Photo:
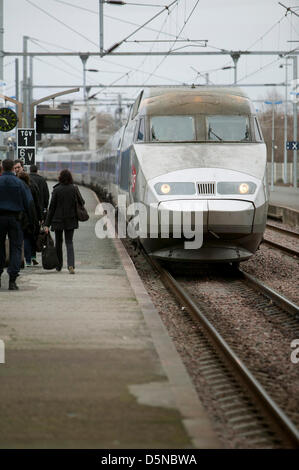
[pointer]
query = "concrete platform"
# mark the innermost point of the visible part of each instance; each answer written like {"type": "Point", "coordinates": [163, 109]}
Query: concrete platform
{"type": "Point", "coordinates": [284, 204]}
{"type": "Point", "coordinates": [283, 196]}
{"type": "Point", "coordinates": [88, 362]}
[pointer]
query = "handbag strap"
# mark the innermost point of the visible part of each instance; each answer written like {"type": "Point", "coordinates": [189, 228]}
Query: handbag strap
{"type": "Point", "coordinates": [78, 196]}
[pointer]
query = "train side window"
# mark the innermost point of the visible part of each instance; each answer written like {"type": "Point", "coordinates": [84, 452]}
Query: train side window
{"type": "Point", "coordinates": [257, 131]}
{"type": "Point", "coordinates": [141, 131]}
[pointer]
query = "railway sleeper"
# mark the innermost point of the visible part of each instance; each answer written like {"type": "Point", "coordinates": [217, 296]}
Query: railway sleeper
{"type": "Point", "coordinates": [245, 418]}
{"type": "Point", "coordinates": [237, 412]}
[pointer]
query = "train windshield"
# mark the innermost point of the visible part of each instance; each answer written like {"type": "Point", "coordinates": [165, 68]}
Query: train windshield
{"type": "Point", "coordinates": [228, 128]}
{"type": "Point", "coordinates": [172, 128]}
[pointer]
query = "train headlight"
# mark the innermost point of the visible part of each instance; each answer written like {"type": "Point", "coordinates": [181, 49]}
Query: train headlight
{"type": "Point", "coordinates": [244, 188]}
{"type": "Point", "coordinates": [165, 188]}
{"type": "Point", "coordinates": [175, 188]}
{"type": "Point", "coordinates": [227, 187]}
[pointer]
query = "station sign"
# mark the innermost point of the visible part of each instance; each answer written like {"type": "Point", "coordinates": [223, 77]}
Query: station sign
{"type": "Point", "coordinates": [53, 121]}
{"type": "Point", "coordinates": [26, 146]}
{"type": "Point", "coordinates": [292, 145]}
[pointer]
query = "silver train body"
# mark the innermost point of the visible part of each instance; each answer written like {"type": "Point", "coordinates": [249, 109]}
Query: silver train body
{"type": "Point", "coordinates": [185, 150]}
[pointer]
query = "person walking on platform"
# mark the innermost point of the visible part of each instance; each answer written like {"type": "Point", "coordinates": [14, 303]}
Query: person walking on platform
{"type": "Point", "coordinates": [31, 230]}
{"type": "Point", "coordinates": [43, 197]}
{"type": "Point", "coordinates": [62, 217]}
{"type": "Point", "coordinates": [13, 202]}
{"type": "Point", "coordinates": [43, 189]}
{"type": "Point", "coordinates": [18, 167]}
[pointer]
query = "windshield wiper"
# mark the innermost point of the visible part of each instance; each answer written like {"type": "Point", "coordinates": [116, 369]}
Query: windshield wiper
{"type": "Point", "coordinates": [212, 132]}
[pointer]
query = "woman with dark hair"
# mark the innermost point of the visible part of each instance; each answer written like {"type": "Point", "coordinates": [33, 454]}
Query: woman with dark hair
{"type": "Point", "coordinates": [62, 217]}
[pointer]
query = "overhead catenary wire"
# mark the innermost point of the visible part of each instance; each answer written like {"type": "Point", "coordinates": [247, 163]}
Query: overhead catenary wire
{"type": "Point", "coordinates": [292, 26]}
{"type": "Point", "coordinates": [113, 17]}
{"type": "Point", "coordinates": [259, 69]}
{"type": "Point", "coordinates": [55, 66]}
{"type": "Point", "coordinates": [146, 57]}
{"type": "Point", "coordinates": [62, 23]}
{"type": "Point", "coordinates": [148, 21]}
{"type": "Point", "coordinates": [277, 23]}
{"type": "Point", "coordinates": [266, 33]}
{"type": "Point", "coordinates": [145, 5]}
{"type": "Point", "coordinates": [112, 83]}
{"type": "Point", "coordinates": [51, 44]}
{"type": "Point", "coordinates": [167, 54]}
{"type": "Point", "coordinates": [150, 74]}
{"type": "Point", "coordinates": [86, 38]}
{"type": "Point", "coordinates": [288, 9]}
{"type": "Point", "coordinates": [79, 74]}
{"type": "Point", "coordinates": [37, 41]}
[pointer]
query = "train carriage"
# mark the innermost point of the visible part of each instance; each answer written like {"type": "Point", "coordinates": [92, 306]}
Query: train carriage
{"type": "Point", "coordinates": [197, 150]}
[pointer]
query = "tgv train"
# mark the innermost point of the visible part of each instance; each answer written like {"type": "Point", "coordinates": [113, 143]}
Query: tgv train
{"type": "Point", "coordinates": [198, 151]}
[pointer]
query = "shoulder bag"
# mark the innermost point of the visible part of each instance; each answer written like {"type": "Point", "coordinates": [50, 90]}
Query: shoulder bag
{"type": "Point", "coordinates": [82, 213]}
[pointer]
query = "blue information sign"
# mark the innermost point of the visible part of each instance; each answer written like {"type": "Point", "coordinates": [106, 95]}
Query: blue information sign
{"type": "Point", "coordinates": [292, 145]}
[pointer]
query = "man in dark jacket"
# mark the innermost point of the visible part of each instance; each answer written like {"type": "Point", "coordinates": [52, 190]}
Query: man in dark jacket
{"type": "Point", "coordinates": [13, 201]}
{"type": "Point", "coordinates": [42, 186]}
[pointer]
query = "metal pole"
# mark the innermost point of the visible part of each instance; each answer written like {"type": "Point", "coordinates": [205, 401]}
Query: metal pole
{"type": "Point", "coordinates": [272, 153]}
{"type": "Point", "coordinates": [154, 53]}
{"type": "Point", "coordinates": [87, 116]}
{"type": "Point", "coordinates": [285, 153]}
{"type": "Point", "coordinates": [84, 58]}
{"type": "Point", "coordinates": [101, 26]}
{"type": "Point", "coordinates": [30, 89]}
{"type": "Point", "coordinates": [235, 56]}
{"type": "Point", "coordinates": [17, 79]}
{"type": "Point", "coordinates": [25, 81]}
{"type": "Point", "coordinates": [295, 123]}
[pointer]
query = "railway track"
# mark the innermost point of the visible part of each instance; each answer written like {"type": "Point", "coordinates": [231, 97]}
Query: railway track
{"type": "Point", "coordinates": [281, 301]}
{"type": "Point", "coordinates": [246, 403]}
{"type": "Point", "coordinates": [282, 231]}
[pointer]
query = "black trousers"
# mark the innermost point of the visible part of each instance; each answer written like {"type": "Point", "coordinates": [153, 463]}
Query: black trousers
{"type": "Point", "coordinates": [10, 226]}
{"type": "Point", "coordinates": [68, 236]}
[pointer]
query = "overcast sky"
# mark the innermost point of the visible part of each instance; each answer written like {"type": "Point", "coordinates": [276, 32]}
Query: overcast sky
{"type": "Point", "coordinates": [73, 25]}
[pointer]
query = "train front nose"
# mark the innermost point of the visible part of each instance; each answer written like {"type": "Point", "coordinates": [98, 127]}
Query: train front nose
{"type": "Point", "coordinates": [219, 216]}
{"type": "Point", "coordinates": [228, 207]}
{"type": "Point", "coordinates": [230, 216]}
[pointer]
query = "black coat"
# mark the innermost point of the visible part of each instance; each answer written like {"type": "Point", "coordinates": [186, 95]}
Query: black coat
{"type": "Point", "coordinates": [35, 194]}
{"type": "Point", "coordinates": [62, 213]}
{"type": "Point", "coordinates": [43, 190]}
{"type": "Point", "coordinates": [30, 219]}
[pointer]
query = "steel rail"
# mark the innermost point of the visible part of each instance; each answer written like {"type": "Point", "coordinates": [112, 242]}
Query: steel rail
{"type": "Point", "coordinates": [288, 250]}
{"type": "Point", "coordinates": [278, 418]}
{"type": "Point", "coordinates": [272, 294]}
{"type": "Point", "coordinates": [282, 230]}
